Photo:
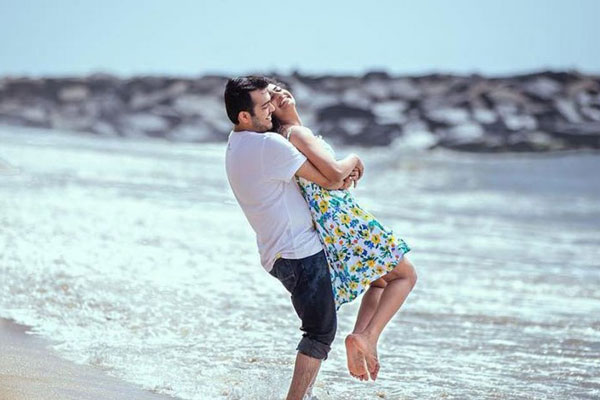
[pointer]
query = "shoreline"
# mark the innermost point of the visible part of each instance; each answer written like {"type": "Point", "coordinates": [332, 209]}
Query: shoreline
{"type": "Point", "coordinates": [31, 370]}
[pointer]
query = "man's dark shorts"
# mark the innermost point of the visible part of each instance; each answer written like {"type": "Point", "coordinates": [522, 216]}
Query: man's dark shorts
{"type": "Point", "coordinates": [309, 283]}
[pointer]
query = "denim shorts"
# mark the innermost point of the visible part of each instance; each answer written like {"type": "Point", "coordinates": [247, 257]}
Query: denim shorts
{"type": "Point", "coordinates": [309, 283]}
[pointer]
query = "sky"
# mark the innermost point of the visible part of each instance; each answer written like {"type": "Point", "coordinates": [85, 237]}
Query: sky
{"type": "Point", "coordinates": [231, 37]}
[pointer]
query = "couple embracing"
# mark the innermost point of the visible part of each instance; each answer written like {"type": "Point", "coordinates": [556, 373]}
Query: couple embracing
{"type": "Point", "coordinates": [311, 234]}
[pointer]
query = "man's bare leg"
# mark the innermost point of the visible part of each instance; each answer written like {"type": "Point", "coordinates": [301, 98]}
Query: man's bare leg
{"type": "Point", "coordinates": [356, 360]}
{"type": "Point", "coordinates": [312, 384]}
{"type": "Point", "coordinates": [400, 282]}
{"type": "Point", "coordinates": [305, 372]}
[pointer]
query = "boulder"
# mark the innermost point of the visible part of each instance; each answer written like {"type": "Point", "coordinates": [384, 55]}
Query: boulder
{"type": "Point", "coordinates": [534, 112]}
{"type": "Point", "coordinates": [343, 111]}
{"type": "Point", "coordinates": [73, 93]}
{"type": "Point", "coordinates": [449, 116]}
{"type": "Point", "coordinates": [484, 115]}
{"type": "Point", "coordinates": [390, 112]}
{"type": "Point", "coordinates": [543, 88]}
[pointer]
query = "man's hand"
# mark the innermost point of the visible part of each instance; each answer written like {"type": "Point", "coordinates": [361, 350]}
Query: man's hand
{"type": "Point", "coordinates": [347, 183]}
{"type": "Point", "coordinates": [309, 172]}
{"type": "Point", "coordinates": [351, 179]}
{"type": "Point", "coordinates": [360, 168]}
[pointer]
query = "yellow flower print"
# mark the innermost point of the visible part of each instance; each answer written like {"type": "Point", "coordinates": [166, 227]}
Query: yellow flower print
{"type": "Point", "coordinates": [323, 206]}
{"type": "Point", "coordinates": [371, 263]}
{"type": "Point", "coordinates": [376, 239]}
{"type": "Point", "coordinates": [356, 211]}
{"type": "Point", "coordinates": [365, 282]}
{"type": "Point", "coordinates": [338, 231]}
{"type": "Point", "coordinates": [379, 270]}
{"type": "Point", "coordinates": [358, 251]}
{"type": "Point", "coordinates": [328, 239]}
{"type": "Point", "coordinates": [353, 267]}
{"type": "Point", "coordinates": [353, 285]}
{"type": "Point", "coordinates": [365, 234]}
{"type": "Point", "coordinates": [345, 219]}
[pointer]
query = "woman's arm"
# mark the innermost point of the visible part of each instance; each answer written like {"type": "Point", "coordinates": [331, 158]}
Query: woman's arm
{"type": "Point", "coordinates": [304, 140]}
{"type": "Point", "coordinates": [309, 172]}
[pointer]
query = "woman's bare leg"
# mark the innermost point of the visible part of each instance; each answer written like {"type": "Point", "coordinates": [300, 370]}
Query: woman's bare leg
{"type": "Point", "coordinates": [368, 305]}
{"type": "Point", "coordinates": [356, 360]}
{"type": "Point", "coordinates": [400, 282]}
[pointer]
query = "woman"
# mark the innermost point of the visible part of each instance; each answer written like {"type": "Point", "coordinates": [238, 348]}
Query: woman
{"type": "Point", "coordinates": [360, 251]}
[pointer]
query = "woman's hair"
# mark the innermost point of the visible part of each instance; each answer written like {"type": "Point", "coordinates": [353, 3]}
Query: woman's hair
{"type": "Point", "coordinates": [276, 122]}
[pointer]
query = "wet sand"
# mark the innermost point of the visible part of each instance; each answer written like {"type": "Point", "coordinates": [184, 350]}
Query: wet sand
{"type": "Point", "coordinates": [30, 370]}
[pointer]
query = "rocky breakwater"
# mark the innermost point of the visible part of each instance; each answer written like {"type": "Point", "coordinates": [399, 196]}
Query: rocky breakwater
{"type": "Point", "coordinates": [535, 112]}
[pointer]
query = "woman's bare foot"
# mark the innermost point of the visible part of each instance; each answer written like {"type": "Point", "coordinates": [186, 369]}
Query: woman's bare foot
{"type": "Point", "coordinates": [359, 350]}
{"type": "Point", "coordinates": [357, 364]}
{"type": "Point", "coordinates": [364, 377]}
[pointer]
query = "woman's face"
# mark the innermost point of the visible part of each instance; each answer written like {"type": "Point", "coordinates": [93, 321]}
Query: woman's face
{"type": "Point", "coordinates": [281, 99]}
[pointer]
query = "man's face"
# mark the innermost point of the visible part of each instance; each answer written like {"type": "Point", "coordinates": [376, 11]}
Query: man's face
{"type": "Point", "coordinates": [261, 120]}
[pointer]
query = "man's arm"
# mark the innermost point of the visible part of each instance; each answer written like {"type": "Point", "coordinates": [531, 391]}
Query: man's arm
{"type": "Point", "coordinates": [309, 172]}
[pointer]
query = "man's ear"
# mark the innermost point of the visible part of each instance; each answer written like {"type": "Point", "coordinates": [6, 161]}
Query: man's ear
{"type": "Point", "coordinates": [244, 116]}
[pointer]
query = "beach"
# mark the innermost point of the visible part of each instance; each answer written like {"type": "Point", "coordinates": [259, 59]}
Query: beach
{"type": "Point", "coordinates": [30, 370]}
{"type": "Point", "coordinates": [131, 258]}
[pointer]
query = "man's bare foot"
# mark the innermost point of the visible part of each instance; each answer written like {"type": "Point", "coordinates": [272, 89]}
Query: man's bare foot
{"type": "Point", "coordinates": [360, 350]}
{"type": "Point", "coordinates": [357, 364]}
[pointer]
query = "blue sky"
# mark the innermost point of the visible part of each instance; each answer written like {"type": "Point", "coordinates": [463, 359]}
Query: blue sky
{"type": "Point", "coordinates": [188, 38]}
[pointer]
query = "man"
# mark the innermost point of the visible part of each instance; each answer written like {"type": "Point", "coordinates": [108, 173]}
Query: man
{"type": "Point", "coordinates": [261, 167]}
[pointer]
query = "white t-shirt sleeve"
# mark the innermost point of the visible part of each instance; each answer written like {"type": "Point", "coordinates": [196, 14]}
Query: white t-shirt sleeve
{"type": "Point", "coordinates": [280, 159]}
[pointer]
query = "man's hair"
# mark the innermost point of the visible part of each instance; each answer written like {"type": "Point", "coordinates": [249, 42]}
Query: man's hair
{"type": "Point", "coordinates": [237, 95]}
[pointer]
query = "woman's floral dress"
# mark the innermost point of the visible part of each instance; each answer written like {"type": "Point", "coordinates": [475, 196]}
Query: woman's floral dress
{"type": "Point", "coordinates": [359, 249]}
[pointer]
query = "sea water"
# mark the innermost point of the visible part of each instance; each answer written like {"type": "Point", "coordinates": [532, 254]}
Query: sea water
{"type": "Point", "coordinates": [133, 256]}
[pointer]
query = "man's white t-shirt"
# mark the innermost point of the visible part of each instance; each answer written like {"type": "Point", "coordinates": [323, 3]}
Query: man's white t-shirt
{"type": "Point", "coordinates": [261, 168]}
